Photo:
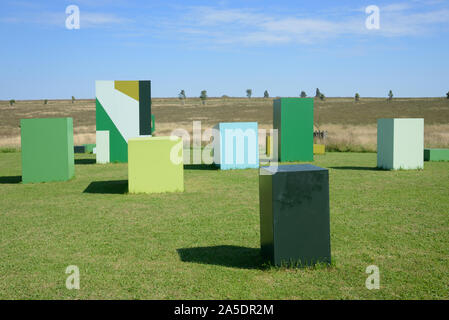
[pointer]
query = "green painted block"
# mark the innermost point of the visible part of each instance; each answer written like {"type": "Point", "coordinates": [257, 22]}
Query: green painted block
{"type": "Point", "coordinates": [294, 215]}
{"type": "Point", "coordinates": [155, 164]}
{"type": "Point", "coordinates": [436, 154]}
{"type": "Point", "coordinates": [89, 148]}
{"type": "Point", "coordinates": [153, 124]}
{"type": "Point", "coordinates": [293, 118]}
{"type": "Point", "coordinates": [400, 144]}
{"type": "Point", "coordinates": [47, 149]}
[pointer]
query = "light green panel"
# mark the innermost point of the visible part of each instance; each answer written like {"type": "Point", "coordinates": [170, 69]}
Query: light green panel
{"type": "Point", "coordinates": [408, 144]}
{"type": "Point", "coordinates": [400, 143]}
{"type": "Point", "coordinates": [102, 146]}
{"type": "Point", "coordinates": [155, 165]}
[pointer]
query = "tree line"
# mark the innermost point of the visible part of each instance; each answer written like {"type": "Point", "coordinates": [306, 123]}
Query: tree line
{"type": "Point", "coordinates": [249, 92]}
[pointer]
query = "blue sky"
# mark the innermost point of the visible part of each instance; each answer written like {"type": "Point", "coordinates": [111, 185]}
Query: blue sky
{"type": "Point", "coordinates": [225, 47]}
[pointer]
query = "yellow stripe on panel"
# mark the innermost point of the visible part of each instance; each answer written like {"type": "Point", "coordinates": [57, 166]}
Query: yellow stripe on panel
{"type": "Point", "coordinates": [130, 88]}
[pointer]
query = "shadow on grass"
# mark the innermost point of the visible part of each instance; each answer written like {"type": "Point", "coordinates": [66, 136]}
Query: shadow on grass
{"type": "Point", "coordinates": [85, 161]}
{"type": "Point", "coordinates": [200, 167]}
{"type": "Point", "coordinates": [357, 168]}
{"type": "Point", "coordinates": [10, 179]}
{"type": "Point", "coordinates": [108, 187]}
{"type": "Point", "coordinates": [228, 256]}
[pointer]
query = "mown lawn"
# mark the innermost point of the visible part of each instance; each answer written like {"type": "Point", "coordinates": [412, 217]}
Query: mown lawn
{"type": "Point", "coordinates": [204, 243]}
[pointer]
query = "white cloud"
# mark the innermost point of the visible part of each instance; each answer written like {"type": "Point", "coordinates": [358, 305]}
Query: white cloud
{"type": "Point", "coordinates": [87, 19]}
{"type": "Point", "coordinates": [90, 19]}
{"type": "Point", "coordinates": [394, 7]}
{"type": "Point", "coordinates": [249, 27]}
{"type": "Point", "coordinates": [264, 26]}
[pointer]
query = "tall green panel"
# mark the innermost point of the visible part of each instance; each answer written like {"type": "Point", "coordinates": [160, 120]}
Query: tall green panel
{"type": "Point", "coordinates": [47, 149]}
{"type": "Point", "coordinates": [294, 215]}
{"type": "Point", "coordinates": [118, 148]}
{"type": "Point", "coordinates": [124, 112]}
{"type": "Point", "coordinates": [293, 118]}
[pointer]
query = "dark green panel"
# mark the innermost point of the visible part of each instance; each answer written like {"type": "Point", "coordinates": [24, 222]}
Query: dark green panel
{"type": "Point", "coordinates": [295, 127]}
{"type": "Point", "coordinates": [79, 149]}
{"type": "Point", "coordinates": [300, 215]}
{"type": "Point", "coordinates": [145, 107]}
{"type": "Point", "coordinates": [47, 149]}
{"type": "Point", "coordinates": [118, 147]}
{"type": "Point", "coordinates": [277, 122]}
{"type": "Point", "coordinates": [266, 214]}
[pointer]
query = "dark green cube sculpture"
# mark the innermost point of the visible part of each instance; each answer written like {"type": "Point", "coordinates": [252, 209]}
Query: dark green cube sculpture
{"type": "Point", "coordinates": [294, 215]}
{"type": "Point", "coordinates": [293, 118]}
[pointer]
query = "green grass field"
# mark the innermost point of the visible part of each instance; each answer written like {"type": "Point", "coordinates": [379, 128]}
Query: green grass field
{"type": "Point", "coordinates": [204, 243]}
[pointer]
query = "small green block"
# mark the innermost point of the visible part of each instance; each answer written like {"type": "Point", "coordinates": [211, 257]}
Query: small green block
{"type": "Point", "coordinates": [153, 124]}
{"type": "Point", "coordinates": [436, 154]}
{"type": "Point", "coordinates": [89, 148]}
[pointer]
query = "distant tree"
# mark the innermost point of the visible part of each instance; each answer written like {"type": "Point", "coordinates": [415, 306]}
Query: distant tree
{"type": "Point", "coordinates": [249, 93]}
{"type": "Point", "coordinates": [390, 95]}
{"type": "Point", "coordinates": [265, 94]}
{"type": "Point", "coordinates": [357, 97]}
{"type": "Point", "coordinates": [447, 94]}
{"type": "Point", "coordinates": [45, 101]}
{"type": "Point", "coordinates": [182, 96]}
{"type": "Point", "coordinates": [73, 99]}
{"type": "Point", "coordinates": [303, 94]}
{"type": "Point", "coordinates": [11, 102]}
{"type": "Point", "coordinates": [203, 96]}
{"type": "Point", "coordinates": [322, 96]}
{"type": "Point", "coordinates": [224, 97]}
{"type": "Point", "coordinates": [318, 93]}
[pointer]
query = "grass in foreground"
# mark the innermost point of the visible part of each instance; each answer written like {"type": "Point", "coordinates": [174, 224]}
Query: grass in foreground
{"type": "Point", "coordinates": [204, 243]}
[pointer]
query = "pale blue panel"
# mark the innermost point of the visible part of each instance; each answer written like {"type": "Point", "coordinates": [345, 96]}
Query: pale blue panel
{"type": "Point", "coordinates": [238, 146]}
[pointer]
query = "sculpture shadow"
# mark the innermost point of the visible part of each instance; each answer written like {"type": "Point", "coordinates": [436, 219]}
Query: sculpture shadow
{"type": "Point", "coordinates": [357, 168]}
{"type": "Point", "coordinates": [200, 167]}
{"type": "Point", "coordinates": [10, 179]}
{"type": "Point", "coordinates": [85, 161]}
{"type": "Point", "coordinates": [108, 187]}
{"type": "Point", "coordinates": [225, 255]}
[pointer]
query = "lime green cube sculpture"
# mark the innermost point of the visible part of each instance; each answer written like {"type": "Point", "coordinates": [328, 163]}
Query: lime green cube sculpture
{"type": "Point", "coordinates": [155, 165]}
{"type": "Point", "coordinates": [47, 150]}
